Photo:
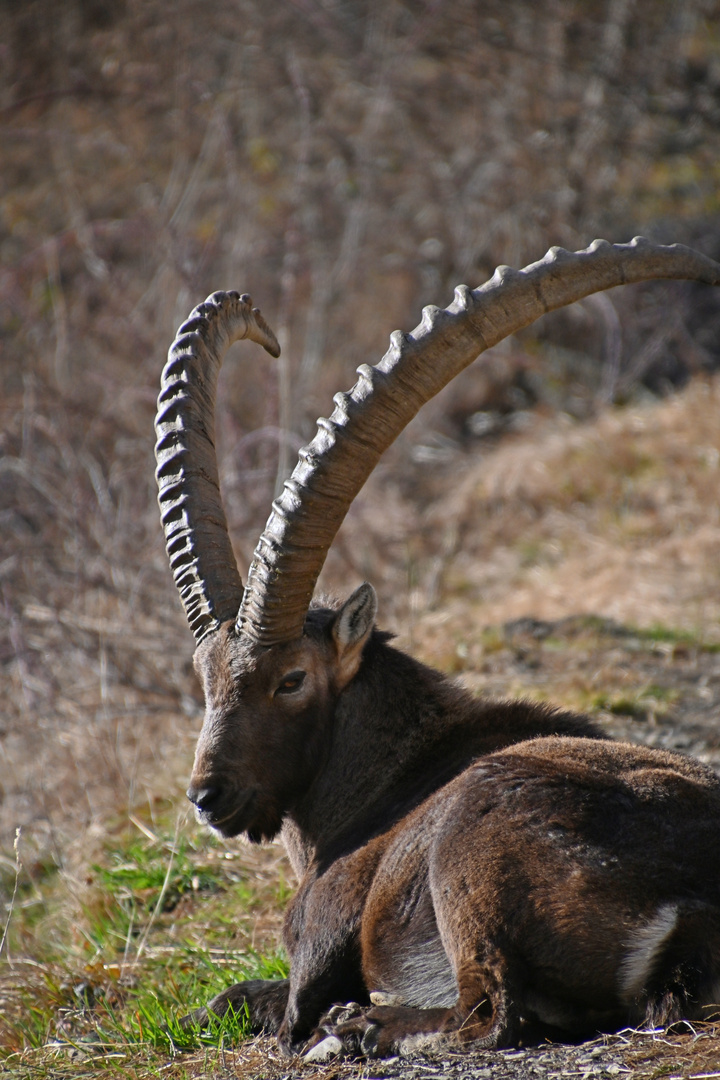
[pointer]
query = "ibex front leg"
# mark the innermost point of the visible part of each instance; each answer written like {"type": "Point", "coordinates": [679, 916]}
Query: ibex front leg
{"type": "Point", "coordinates": [265, 1001]}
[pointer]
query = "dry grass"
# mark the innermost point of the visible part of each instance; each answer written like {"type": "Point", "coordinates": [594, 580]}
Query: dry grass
{"type": "Point", "coordinates": [618, 517]}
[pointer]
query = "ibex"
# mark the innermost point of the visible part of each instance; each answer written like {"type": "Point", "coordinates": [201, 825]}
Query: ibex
{"type": "Point", "coordinates": [469, 870]}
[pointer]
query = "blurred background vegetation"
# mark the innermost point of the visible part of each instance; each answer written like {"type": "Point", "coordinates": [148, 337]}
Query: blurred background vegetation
{"type": "Point", "coordinates": [346, 162]}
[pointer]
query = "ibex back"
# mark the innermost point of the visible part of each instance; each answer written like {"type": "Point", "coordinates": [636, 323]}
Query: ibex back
{"type": "Point", "coordinates": [469, 870]}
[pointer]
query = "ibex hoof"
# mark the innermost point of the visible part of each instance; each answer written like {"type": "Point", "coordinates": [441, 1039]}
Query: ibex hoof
{"type": "Point", "coordinates": [347, 1031]}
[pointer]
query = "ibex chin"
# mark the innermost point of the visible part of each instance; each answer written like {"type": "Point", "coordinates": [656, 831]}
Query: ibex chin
{"type": "Point", "coordinates": [469, 870]}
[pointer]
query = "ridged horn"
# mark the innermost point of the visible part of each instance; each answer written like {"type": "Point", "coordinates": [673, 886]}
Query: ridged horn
{"type": "Point", "coordinates": [196, 532]}
{"type": "Point", "coordinates": [335, 465]}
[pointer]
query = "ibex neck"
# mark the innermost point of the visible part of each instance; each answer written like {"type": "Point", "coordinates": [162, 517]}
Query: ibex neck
{"type": "Point", "coordinates": [383, 759]}
{"type": "Point", "coordinates": [401, 731]}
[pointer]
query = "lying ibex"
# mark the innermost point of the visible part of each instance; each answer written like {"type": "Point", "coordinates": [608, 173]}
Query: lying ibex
{"type": "Point", "coordinates": [467, 868]}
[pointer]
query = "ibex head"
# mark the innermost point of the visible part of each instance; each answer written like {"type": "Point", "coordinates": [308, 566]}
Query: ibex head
{"type": "Point", "coordinates": [269, 712]}
{"type": "Point", "coordinates": [272, 668]}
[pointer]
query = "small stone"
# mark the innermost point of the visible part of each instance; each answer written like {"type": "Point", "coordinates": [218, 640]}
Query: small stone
{"type": "Point", "coordinates": [329, 1048]}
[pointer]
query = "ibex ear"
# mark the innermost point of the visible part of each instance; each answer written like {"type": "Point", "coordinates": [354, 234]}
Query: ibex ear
{"type": "Point", "coordinates": [352, 627]}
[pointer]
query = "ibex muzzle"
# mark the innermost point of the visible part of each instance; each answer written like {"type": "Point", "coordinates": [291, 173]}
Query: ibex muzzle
{"type": "Point", "coordinates": [468, 868]}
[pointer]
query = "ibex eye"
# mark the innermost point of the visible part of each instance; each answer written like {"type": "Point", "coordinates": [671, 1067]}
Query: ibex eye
{"type": "Point", "coordinates": [291, 682]}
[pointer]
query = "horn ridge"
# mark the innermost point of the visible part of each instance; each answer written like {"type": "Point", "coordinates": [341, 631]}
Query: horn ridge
{"type": "Point", "coordinates": [196, 533]}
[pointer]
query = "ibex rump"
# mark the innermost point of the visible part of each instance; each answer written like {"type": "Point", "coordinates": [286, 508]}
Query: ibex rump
{"type": "Point", "coordinates": [467, 868]}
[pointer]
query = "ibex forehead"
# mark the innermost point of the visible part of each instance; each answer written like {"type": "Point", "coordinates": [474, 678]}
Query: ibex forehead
{"type": "Point", "coordinates": [217, 659]}
{"type": "Point", "coordinates": [227, 662]}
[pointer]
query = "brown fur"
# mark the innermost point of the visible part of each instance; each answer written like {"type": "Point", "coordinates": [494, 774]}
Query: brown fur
{"type": "Point", "coordinates": [478, 867]}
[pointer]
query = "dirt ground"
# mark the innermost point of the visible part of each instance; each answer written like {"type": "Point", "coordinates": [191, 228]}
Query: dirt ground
{"type": "Point", "coordinates": [690, 1055]}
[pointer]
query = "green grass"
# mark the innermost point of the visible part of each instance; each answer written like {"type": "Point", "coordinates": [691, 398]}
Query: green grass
{"type": "Point", "coordinates": [668, 635]}
{"type": "Point", "coordinates": [99, 976]}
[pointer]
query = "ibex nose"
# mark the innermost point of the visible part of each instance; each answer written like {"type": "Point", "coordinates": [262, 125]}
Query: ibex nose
{"type": "Point", "coordinates": [203, 797]}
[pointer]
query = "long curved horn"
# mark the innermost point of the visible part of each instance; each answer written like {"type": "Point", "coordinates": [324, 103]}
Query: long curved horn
{"type": "Point", "coordinates": [196, 532]}
{"type": "Point", "coordinates": [346, 448]}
